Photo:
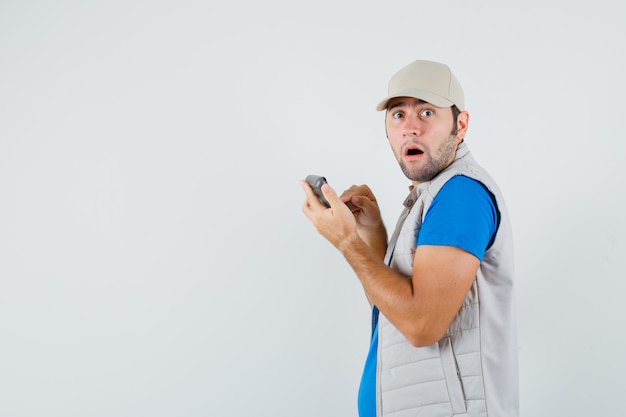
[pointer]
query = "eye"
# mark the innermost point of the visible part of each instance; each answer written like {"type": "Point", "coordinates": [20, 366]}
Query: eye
{"type": "Point", "coordinates": [396, 115]}
{"type": "Point", "coordinates": [427, 113]}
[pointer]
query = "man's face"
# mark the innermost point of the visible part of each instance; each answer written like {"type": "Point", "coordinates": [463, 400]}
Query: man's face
{"type": "Point", "coordinates": [421, 136]}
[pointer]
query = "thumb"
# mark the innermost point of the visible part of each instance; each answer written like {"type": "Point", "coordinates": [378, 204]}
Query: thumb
{"type": "Point", "coordinates": [330, 195]}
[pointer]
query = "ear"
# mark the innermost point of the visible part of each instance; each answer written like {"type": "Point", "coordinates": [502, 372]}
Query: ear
{"type": "Point", "coordinates": [462, 123]}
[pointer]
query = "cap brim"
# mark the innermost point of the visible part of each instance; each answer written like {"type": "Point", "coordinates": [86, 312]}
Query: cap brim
{"type": "Point", "coordinates": [419, 94]}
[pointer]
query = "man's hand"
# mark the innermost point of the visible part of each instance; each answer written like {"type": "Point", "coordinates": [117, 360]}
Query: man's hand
{"type": "Point", "coordinates": [337, 224]}
{"type": "Point", "coordinates": [364, 207]}
{"type": "Point", "coordinates": [334, 223]}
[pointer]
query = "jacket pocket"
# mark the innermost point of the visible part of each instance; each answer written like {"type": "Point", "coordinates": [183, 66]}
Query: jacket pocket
{"type": "Point", "coordinates": [453, 379]}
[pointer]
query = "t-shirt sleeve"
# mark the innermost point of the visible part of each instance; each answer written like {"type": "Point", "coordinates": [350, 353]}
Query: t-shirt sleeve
{"type": "Point", "coordinates": [463, 214]}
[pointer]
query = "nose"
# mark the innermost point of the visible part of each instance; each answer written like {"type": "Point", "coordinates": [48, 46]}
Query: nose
{"type": "Point", "coordinates": [412, 126]}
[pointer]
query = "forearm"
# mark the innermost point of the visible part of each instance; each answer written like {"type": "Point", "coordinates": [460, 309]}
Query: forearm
{"type": "Point", "coordinates": [389, 290]}
{"type": "Point", "coordinates": [376, 239]}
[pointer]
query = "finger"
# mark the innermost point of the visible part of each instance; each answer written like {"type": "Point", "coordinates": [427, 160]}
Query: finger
{"type": "Point", "coordinates": [310, 195]}
{"type": "Point", "coordinates": [367, 206]}
{"type": "Point", "coordinates": [308, 211]}
{"type": "Point", "coordinates": [311, 199]}
{"type": "Point", "coordinates": [357, 190]}
{"type": "Point", "coordinates": [350, 192]}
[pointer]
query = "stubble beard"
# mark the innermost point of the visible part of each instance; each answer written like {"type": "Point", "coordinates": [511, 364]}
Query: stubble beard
{"type": "Point", "coordinates": [433, 164]}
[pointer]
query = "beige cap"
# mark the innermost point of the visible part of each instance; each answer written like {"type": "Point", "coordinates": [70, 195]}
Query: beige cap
{"type": "Point", "coordinates": [426, 80]}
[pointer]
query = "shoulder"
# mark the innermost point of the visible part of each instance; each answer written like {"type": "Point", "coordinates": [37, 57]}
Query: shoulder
{"type": "Point", "coordinates": [461, 184]}
{"type": "Point", "coordinates": [463, 214]}
{"type": "Point", "coordinates": [463, 192]}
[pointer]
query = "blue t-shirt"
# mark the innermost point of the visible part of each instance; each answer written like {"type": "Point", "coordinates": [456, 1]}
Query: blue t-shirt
{"type": "Point", "coordinates": [463, 214]}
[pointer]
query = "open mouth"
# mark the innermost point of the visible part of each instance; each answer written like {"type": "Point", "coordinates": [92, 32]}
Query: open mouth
{"type": "Point", "coordinates": [413, 150]}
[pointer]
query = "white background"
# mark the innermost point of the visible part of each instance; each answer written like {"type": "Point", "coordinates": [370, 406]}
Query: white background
{"type": "Point", "coordinates": [154, 260]}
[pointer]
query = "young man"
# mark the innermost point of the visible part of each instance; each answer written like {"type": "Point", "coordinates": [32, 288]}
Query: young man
{"type": "Point", "coordinates": [441, 289]}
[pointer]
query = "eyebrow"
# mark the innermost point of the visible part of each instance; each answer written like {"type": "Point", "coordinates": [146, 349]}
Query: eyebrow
{"type": "Point", "coordinates": [402, 103]}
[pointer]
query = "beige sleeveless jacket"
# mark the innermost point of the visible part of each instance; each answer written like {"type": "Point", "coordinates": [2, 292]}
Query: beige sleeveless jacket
{"type": "Point", "coordinates": [472, 370]}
